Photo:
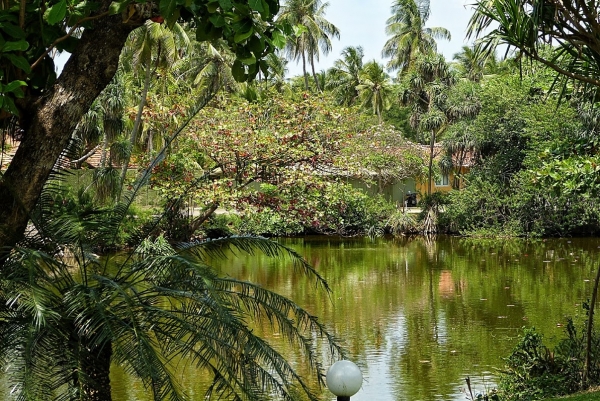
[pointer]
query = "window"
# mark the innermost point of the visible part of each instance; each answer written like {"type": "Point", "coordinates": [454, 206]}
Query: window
{"type": "Point", "coordinates": [442, 181]}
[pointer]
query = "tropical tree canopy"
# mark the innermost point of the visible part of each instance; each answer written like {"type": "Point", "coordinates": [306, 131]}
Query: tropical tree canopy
{"type": "Point", "coordinates": [375, 89]}
{"type": "Point", "coordinates": [44, 109]}
{"type": "Point", "coordinates": [344, 76]}
{"type": "Point", "coordinates": [571, 27]}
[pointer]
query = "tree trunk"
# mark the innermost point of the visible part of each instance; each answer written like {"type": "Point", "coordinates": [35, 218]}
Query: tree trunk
{"type": "Point", "coordinates": [312, 65]}
{"type": "Point", "coordinates": [304, 71]}
{"type": "Point", "coordinates": [431, 148]}
{"type": "Point", "coordinates": [94, 384]}
{"type": "Point", "coordinates": [137, 123]}
{"type": "Point", "coordinates": [48, 121]}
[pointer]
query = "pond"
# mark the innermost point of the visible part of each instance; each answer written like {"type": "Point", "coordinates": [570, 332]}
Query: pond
{"type": "Point", "coordinates": [420, 315]}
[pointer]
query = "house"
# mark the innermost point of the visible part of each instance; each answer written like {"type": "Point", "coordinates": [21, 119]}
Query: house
{"type": "Point", "coordinates": [406, 192]}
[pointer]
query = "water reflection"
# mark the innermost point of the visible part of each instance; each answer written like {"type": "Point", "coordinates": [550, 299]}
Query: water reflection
{"type": "Point", "coordinates": [419, 315]}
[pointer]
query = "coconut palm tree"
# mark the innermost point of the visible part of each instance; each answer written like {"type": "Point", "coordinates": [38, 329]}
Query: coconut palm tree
{"type": "Point", "coordinates": [375, 89]}
{"type": "Point", "coordinates": [313, 33]}
{"type": "Point", "coordinates": [344, 76]}
{"type": "Point", "coordinates": [277, 71]}
{"type": "Point", "coordinates": [470, 63]}
{"type": "Point", "coordinates": [208, 67]}
{"type": "Point", "coordinates": [409, 36]}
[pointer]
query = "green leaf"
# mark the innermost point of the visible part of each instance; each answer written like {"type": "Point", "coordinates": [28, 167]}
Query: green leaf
{"type": "Point", "coordinates": [117, 7]}
{"type": "Point", "coordinates": [226, 5]}
{"type": "Point", "coordinates": [13, 30]}
{"type": "Point", "coordinates": [56, 13]}
{"type": "Point", "coordinates": [256, 5]}
{"type": "Point", "coordinates": [212, 7]}
{"type": "Point", "coordinates": [264, 68]}
{"type": "Point", "coordinates": [218, 20]}
{"type": "Point", "coordinates": [299, 30]}
{"type": "Point", "coordinates": [273, 6]}
{"type": "Point", "coordinates": [238, 71]}
{"type": "Point", "coordinates": [19, 62]}
{"type": "Point", "coordinates": [21, 45]}
{"type": "Point", "coordinates": [279, 40]}
{"type": "Point", "coordinates": [167, 8]}
{"type": "Point", "coordinates": [15, 87]}
{"type": "Point", "coordinates": [241, 36]}
{"type": "Point", "coordinates": [267, 13]}
{"type": "Point", "coordinates": [249, 60]}
{"type": "Point", "coordinates": [8, 104]}
{"type": "Point", "coordinates": [256, 45]}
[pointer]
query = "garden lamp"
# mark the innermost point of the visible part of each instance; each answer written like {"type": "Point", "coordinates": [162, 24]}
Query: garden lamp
{"type": "Point", "coordinates": [344, 379]}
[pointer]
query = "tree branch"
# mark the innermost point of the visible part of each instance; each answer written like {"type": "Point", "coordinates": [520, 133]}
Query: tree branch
{"type": "Point", "coordinates": [67, 36]}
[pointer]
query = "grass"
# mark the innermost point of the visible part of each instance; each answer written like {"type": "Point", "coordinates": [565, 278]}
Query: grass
{"type": "Point", "coordinates": [587, 396]}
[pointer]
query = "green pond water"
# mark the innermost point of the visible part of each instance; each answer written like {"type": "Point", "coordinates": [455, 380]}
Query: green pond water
{"type": "Point", "coordinates": [419, 315]}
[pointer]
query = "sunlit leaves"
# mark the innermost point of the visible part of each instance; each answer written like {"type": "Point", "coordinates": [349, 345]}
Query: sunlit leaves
{"type": "Point", "coordinates": [56, 13]}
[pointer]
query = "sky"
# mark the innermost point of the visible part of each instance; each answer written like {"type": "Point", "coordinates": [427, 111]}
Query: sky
{"type": "Point", "coordinates": [362, 23]}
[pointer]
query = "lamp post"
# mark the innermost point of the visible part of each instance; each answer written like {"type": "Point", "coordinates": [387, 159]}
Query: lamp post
{"type": "Point", "coordinates": [344, 379]}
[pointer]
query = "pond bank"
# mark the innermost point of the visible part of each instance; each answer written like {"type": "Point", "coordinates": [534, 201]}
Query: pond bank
{"type": "Point", "coordinates": [586, 396]}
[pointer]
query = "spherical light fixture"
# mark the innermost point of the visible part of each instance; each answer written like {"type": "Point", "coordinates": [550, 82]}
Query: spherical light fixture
{"type": "Point", "coordinates": [344, 379]}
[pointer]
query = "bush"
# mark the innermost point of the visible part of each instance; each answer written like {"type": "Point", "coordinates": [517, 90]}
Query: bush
{"type": "Point", "coordinates": [533, 372]}
{"type": "Point", "coordinates": [322, 208]}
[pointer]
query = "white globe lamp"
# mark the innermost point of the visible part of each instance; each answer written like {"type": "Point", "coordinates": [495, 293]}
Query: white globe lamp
{"type": "Point", "coordinates": [344, 379]}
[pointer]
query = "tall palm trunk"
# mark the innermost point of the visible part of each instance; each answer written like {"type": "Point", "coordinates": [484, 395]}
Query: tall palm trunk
{"type": "Point", "coordinates": [104, 153]}
{"type": "Point", "coordinates": [137, 123]}
{"type": "Point", "coordinates": [304, 71]}
{"type": "Point", "coordinates": [430, 172]}
{"type": "Point", "coordinates": [312, 65]}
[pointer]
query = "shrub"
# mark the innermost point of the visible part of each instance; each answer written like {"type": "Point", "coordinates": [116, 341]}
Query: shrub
{"type": "Point", "coordinates": [534, 372]}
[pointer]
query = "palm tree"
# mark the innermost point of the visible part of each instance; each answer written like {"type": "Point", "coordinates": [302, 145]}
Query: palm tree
{"type": "Point", "coordinates": [150, 47]}
{"type": "Point", "coordinates": [313, 33]}
{"type": "Point", "coordinates": [344, 76]}
{"type": "Point", "coordinates": [208, 67]}
{"type": "Point", "coordinates": [470, 62]}
{"type": "Point", "coordinates": [375, 89]}
{"type": "Point", "coordinates": [425, 89]}
{"type": "Point", "coordinates": [67, 315]}
{"type": "Point", "coordinates": [277, 71]}
{"type": "Point", "coordinates": [409, 37]}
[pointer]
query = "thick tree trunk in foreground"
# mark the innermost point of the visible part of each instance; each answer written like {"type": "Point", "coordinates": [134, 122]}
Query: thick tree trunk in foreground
{"type": "Point", "coordinates": [48, 121]}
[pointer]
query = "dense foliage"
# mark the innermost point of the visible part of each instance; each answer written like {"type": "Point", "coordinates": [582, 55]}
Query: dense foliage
{"type": "Point", "coordinates": [533, 371]}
